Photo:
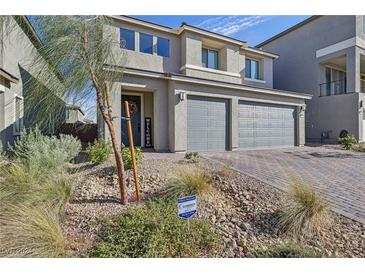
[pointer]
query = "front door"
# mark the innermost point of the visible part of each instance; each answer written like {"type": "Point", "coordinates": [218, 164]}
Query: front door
{"type": "Point", "coordinates": [135, 112]}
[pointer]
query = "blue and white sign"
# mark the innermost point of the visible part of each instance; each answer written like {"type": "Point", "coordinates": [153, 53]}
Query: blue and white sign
{"type": "Point", "coordinates": [187, 207]}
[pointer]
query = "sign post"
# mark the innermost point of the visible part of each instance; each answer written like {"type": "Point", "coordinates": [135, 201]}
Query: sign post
{"type": "Point", "coordinates": [187, 207]}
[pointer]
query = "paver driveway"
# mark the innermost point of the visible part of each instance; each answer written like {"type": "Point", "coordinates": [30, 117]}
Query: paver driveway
{"type": "Point", "coordinates": [338, 174]}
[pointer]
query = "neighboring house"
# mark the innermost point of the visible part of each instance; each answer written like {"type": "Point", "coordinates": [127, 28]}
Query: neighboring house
{"type": "Point", "coordinates": [19, 45]}
{"type": "Point", "coordinates": [190, 89]}
{"type": "Point", "coordinates": [325, 55]}
{"type": "Point", "coordinates": [74, 114]}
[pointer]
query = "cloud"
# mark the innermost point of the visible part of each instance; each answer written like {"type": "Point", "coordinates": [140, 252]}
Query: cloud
{"type": "Point", "coordinates": [228, 25]}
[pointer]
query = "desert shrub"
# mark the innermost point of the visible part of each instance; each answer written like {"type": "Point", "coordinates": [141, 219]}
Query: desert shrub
{"type": "Point", "coordinates": [360, 147]}
{"type": "Point", "coordinates": [127, 159]}
{"type": "Point", "coordinates": [285, 250]}
{"type": "Point", "coordinates": [348, 141]}
{"type": "Point", "coordinates": [20, 187]}
{"type": "Point", "coordinates": [156, 231]}
{"type": "Point", "coordinates": [44, 155]}
{"type": "Point", "coordinates": [192, 157]}
{"type": "Point", "coordinates": [99, 151]}
{"type": "Point", "coordinates": [188, 180]}
{"type": "Point", "coordinates": [305, 211]}
{"type": "Point", "coordinates": [30, 231]}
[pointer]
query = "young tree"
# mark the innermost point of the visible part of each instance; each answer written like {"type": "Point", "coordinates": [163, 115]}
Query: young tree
{"type": "Point", "coordinates": [79, 48]}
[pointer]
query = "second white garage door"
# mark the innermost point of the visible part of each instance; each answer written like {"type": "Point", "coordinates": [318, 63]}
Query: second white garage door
{"type": "Point", "coordinates": [266, 125]}
{"type": "Point", "coordinates": [207, 124]}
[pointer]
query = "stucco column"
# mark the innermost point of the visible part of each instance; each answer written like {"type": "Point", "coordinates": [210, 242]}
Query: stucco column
{"type": "Point", "coordinates": [177, 119]}
{"type": "Point", "coordinates": [233, 124]}
{"type": "Point", "coordinates": [353, 70]}
{"type": "Point", "coordinates": [300, 125]}
{"type": "Point", "coordinates": [161, 121]}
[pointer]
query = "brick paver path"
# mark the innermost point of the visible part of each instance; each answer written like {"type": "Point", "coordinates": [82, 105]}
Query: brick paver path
{"type": "Point", "coordinates": [338, 174]}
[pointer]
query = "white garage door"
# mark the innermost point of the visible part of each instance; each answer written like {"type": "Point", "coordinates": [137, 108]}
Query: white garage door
{"type": "Point", "coordinates": [206, 124]}
{"type": "Point", "coordinates": [266, 125]}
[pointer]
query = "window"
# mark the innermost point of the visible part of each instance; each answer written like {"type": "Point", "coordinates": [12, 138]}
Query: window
{"type": "Point", "coordinates": [18, 124]}
{"type": "Point", "coordinates": [145, 43]}
{"type": "Point", "coordinates": [127, 39]}
{"type": "Point", "coordinates": [210, 58]}
{"type": "Point", "coordinates": [163, 47]}
{"type": "Point", "coordinates": [252, 70]}
{"type": "Point", "coordinates": [335, 81]}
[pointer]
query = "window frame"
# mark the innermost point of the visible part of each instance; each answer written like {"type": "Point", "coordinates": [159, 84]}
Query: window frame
{"type": "Point", "coordinates": [145, 34]}
{"type": "Point", "coordinates": [168, 45]}
{"type": "Point", "coordinates": [15, 132]}
{"type": "Point", "coordinates": [134, 39]}
{"type": "Point", "coordinates": [207, 63]}
{"type": "Point", "coordinates": [251, 60]}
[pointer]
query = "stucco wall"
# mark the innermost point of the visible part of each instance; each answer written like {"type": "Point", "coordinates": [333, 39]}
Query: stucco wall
{"type": "Point", "coordinates": [178, 111]}
{"type": "Point", "coordinates": [18, 55]}
{"type": "Point", "coordinates": [140, 60]}
{"type": "Point", "coordinates": [155, 106]}
{"type": "Point", "coordinates": [186, 55]}
{"type": "Point", "coordinates": [298, 69]}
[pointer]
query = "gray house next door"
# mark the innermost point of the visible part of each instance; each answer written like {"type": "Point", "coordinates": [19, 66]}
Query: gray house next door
{"type": "Point", "coordinates": [206, 124]}
{"type": "Point", "coordinates": [266, 125]}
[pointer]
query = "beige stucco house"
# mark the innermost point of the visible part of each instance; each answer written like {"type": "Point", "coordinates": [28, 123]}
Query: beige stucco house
{"type": "Point", "coordinates": [194, 90]}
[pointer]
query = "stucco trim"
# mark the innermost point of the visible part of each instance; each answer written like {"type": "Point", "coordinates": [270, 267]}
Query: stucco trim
{"type": "Point", "coordinates": [188, 66]}
{"type": "Point", "coordinates": [336, 47]}
{"type": "Point", "coordinates": [231, 86]}
{"type": "Point", "coordinates": [195, 80]}
{"type": "Point", "coordinates": [261, 52]}
{"type": "Point", "coordinates": [8, 76]}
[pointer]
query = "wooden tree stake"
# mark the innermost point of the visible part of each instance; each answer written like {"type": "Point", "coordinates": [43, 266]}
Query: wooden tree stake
{"type": "Point", "coordinates": [131, 147]}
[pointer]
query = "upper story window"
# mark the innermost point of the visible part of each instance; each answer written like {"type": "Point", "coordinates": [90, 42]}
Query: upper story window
{"type": "Point", "coordinates": [145, 43]}
{"type": "Point", "coordinates": [127, 39]}
{"type": "Point", "coordinates": [363, 23]}
{"type": "Point", "coordinates": [163, 47]}
{"type": "Point", "coordinates": [210, 58]}
{"type": "Point", "coordinates": [252, 69]}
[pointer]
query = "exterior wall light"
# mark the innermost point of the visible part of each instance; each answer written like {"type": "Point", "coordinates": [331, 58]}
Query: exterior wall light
{"type": "Point", "coordinates": [182, 96]}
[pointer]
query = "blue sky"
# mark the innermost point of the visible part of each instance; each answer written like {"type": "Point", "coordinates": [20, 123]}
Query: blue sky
{"type": "Point", "coordinates": [251, 28]}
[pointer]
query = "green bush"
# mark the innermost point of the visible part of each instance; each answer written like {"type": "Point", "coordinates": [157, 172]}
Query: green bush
{"type": "Point", "coordinates": [43, 155]}
{"type": "Point", "coordinates": [348, 141]}
{"type": "Point", "coordinates": [188, 180]}
{"type": "Point", "coordinates": [192, 157]}
{"type": "Point", "coordinates": [99, 151]}
{"type": "Point", "coordinates": [305, 211]}
{"type": "Point", "coordinates": [285, 250]}
{"type": "Point", "coordinates": [156, 231]}
{"type": "Point", "coordinates": [127, 159]}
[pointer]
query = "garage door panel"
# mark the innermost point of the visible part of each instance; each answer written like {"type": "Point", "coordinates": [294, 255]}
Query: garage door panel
{"type": "Point", "coordinates": [265, 125]}
{"type": "Point", "coordinates": [206, 124]}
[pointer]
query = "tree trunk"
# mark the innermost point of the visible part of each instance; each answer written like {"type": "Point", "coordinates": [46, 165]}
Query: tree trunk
{"type": "Point", "coordinates": [119, 163]}
{"type": "Point", "coordinates": [116, 147]}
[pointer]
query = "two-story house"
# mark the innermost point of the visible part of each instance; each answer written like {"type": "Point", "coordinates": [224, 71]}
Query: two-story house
{"type": "Point", "coordinates": [190, 89]}
{"type": "Point", "coordinates": [325, 55]}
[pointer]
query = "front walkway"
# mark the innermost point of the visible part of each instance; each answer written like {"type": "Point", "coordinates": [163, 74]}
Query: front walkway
{"type": "Point", "coordinates": [338, 174]}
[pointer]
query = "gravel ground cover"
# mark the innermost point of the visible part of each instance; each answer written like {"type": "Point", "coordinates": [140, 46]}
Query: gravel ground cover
{"type": "Point", "coordinates": [241, 209]}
